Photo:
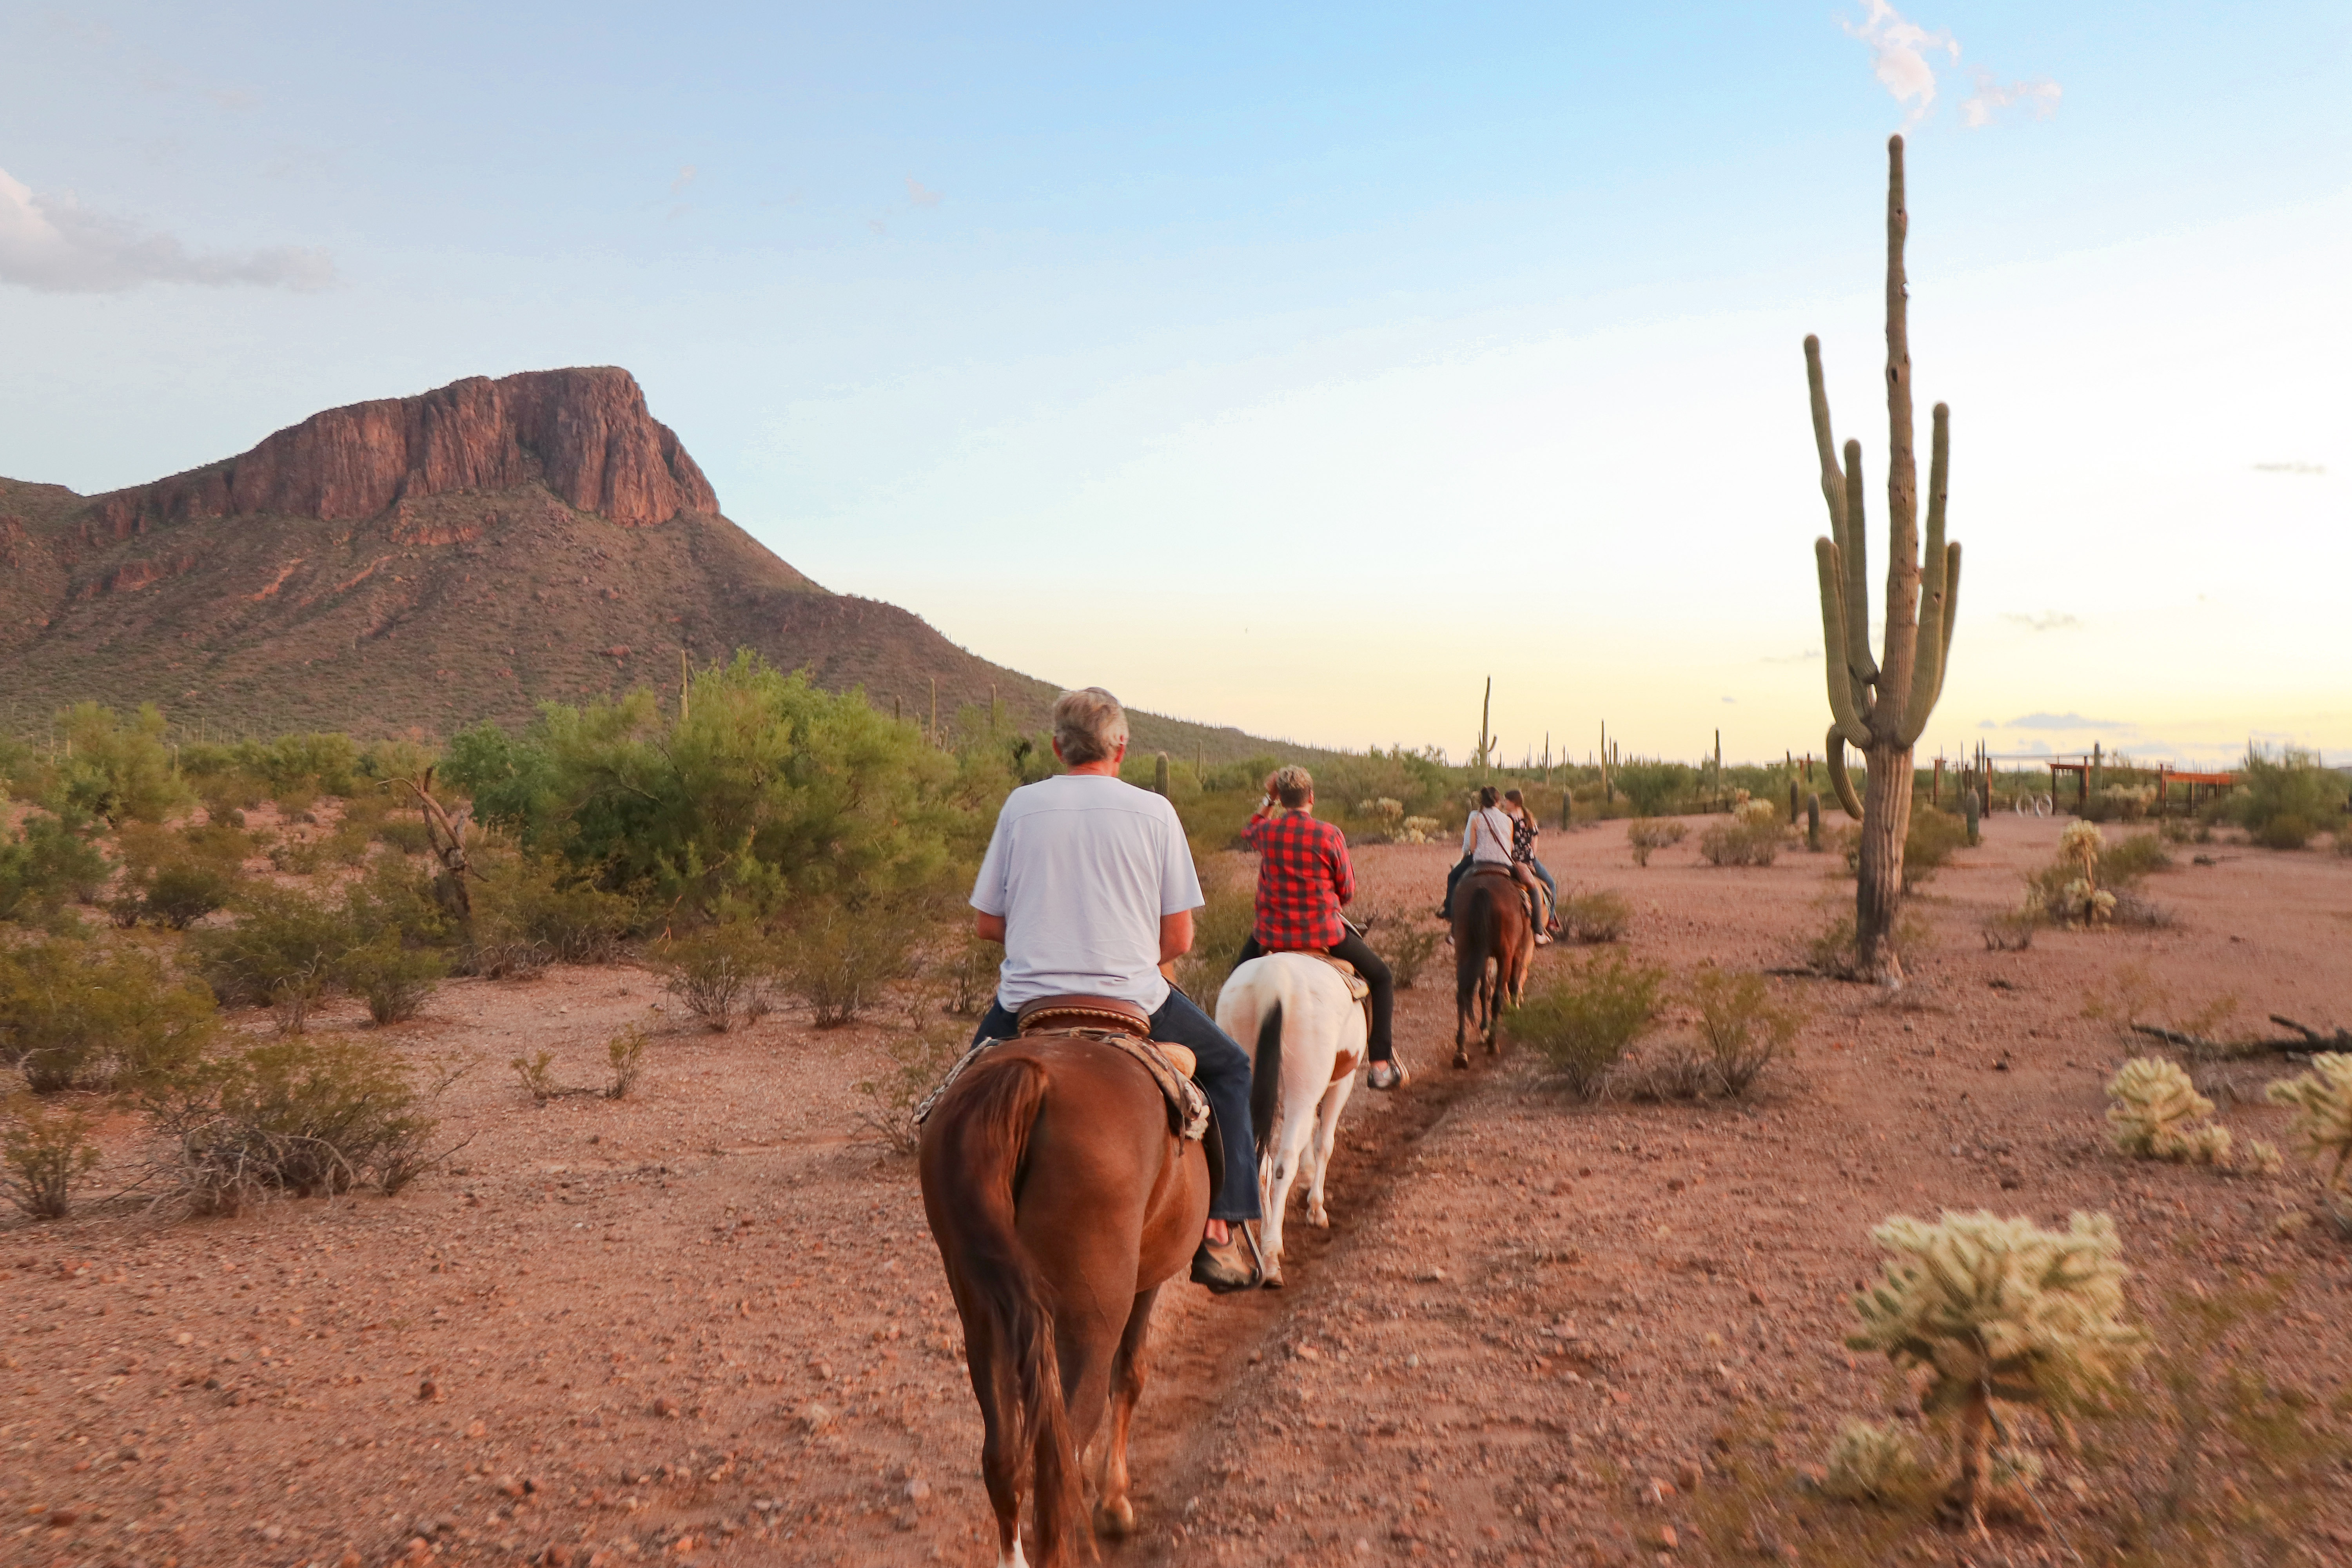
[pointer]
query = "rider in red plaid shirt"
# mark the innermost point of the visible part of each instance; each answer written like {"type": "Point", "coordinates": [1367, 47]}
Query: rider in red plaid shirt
{"type": "Point", "coordinates": [1304, 878]}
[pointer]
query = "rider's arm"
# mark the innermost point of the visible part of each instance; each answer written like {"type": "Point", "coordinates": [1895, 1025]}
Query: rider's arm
{"type": "Point", "coordinates": [991, 928]}
{"type": "Point", "coordinates": [1175, 935]}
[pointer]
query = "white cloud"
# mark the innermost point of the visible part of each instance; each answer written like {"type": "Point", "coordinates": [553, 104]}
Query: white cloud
{"type": "Point", "coordinates": [56, 245]}
{"type": "Point", "coordinates": [1898, 55]}
{"type": "Point", "coordinates": [922, 196]}
{"type": "Point", "coordinates": [2048, 621]}
{"type": "Point", "coordinates": [2038, 95]}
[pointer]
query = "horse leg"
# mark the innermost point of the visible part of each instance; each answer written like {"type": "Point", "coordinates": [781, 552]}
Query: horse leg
{"type": "Point", "coordinates": [1282, 1174]}
{"type": "Point", "coordinates": [1113, 1513]}
{"type": "Point", "coordinates": [1327, 1130]}
{"type": "Point", "coordinates": [1000, 1460]}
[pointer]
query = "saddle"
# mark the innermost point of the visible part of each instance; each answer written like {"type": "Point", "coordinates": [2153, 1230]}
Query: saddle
{"type": "Point", "coordinates": [1359, 991]}
{"type": "Point", "coordinates": [1107, 1021]}
{"type": "Point", "coordinates": [1530, 899]}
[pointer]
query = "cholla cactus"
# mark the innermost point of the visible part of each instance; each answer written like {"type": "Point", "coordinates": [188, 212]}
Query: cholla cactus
{"type": "Point", "coordinates": [2322, 1100]}
{"type": "Point", "coordinates": [1418, 830]}
{"type": "Point", "coordinates": [1381, 810]}
{"type": "Point", "coordinates": [2081, 843]}
{"type": "Point", "coordinates": [2154, 1107]}
{"type": "Point", "coordinates": [1872, 1462]}
{"type": "Point", "coordinates": [1999, 1309]}
{"type": "Point", "coordinates": [1756, 813]}
{"type": "Point", "coordinates": [2263, 1158]}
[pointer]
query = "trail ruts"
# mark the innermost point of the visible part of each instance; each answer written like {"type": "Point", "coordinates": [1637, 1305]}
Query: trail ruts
{"type": "Point", "coordinates": [1201, 1377]}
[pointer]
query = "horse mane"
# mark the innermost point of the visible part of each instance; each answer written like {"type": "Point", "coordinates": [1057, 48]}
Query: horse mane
{"type": "Point", "coordinates": [982, 1130]}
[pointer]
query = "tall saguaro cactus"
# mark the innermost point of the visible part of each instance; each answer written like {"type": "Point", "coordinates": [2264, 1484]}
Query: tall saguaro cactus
{"type": "Point", "coordinates": [1881, 706]}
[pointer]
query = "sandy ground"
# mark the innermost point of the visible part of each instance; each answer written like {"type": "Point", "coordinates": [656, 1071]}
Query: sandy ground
{"type": "Point", "coordinates": [707, 1324]}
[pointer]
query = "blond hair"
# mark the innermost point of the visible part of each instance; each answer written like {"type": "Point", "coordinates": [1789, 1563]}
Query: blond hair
{"type": "Point", "coordinates": [1292, 785]}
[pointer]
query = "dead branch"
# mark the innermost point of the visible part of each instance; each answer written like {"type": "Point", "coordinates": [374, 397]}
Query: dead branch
{"type": "Point", "coordinates": [2309, 1041]}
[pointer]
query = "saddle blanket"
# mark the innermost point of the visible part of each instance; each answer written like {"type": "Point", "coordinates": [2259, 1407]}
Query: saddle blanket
{"type": "Point", "coordinates": [1187, 1108]}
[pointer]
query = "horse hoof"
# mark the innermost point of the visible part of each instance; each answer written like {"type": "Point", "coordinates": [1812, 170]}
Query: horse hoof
{"type": "Point", "coordinates": [1115, 1520]}
{"type": "Point", "coordinates": [1462, 1059]}
{"type": "Point", "coordinates": [1273, 1278]}
{"type": "Point", "coordinates": [1319, 1218]}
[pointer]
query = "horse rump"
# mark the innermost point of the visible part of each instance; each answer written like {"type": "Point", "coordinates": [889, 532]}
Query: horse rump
{"type": "Point", "coordinates": [976, 1142]}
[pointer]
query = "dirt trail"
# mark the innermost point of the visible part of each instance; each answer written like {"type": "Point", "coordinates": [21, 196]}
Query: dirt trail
{"type": "Point", "coordinates": [1205, 1347]}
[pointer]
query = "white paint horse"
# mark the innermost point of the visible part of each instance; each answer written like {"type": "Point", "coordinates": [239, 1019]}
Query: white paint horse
{"type": "Point", "coordinates": [1307, 1036]}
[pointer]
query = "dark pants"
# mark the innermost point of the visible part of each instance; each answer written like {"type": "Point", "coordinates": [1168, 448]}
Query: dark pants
{"type": "Point", "coordinates": [1453, 880]}
{"type": "Point", "coordinates": [1223, 1073]}
{"type": "Point", "coordinates": [1375, 970]}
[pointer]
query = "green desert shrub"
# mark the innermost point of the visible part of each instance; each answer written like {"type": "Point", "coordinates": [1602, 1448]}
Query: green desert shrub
{"type": "Point", "coordinates": [1655, 788]}
{"type": "Point", "coordinates": [1999, 1309]}
{"type": "Point", "coordinates": [539, 903]}
{"type": "Point", "coordinates": [1595, 917]}
{"type": "Point", "coordinates": [967, 975]}
{"type": "Point", "coordinates": [2283, 801]}
{"type": "Point", "coordinates": [2129, 859]}
{"type": "Point", "coordinates": [1645, 835]}
{"type": "Point", "coordinates": [1738, 842]}
{"type": "Point", "coordinates": [1405, 943]}
{"type": "Point", "coordinates": [114, 769]}
{"type": "Point", "coordinates": [1584, 1017]}
{"type": "Point", "coordinates": [44, 866]}
{"type": "Point", "coordinates": [625, 1054]}
{"type": "Point", "coordinates": [1744, 1030]}
{"type": "Point", "coordinates": [765, 788]}
{"type": "Point", "coordinates": [45, 1154]}
{"type": "Point", "coordinates": [80, 1015]}
{"type": "Point", "coordinates": [1218, 928]}
{"type": "Point", "coordinates": [840, 957]}
{"type": "Point", "coordinates": [720, 971]}
{"type": "Point", "coordinates": [301, 1116]}
{"type": "Point", "coordinates": [283, 951]}
{"type": "Point", "coordinates": [914, 1059]}
{"type": "Point", "coordinates": [392, 978]}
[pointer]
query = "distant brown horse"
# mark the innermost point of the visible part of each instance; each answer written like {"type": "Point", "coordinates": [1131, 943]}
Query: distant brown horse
{"type": "Point", "coordinates": [1061, 1202]}
{"type": "Point", "coordinates": [1494, 946]}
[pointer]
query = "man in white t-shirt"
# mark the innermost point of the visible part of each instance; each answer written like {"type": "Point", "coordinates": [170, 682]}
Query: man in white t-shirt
{"type": "Point", "coordinates": [1089, 883]}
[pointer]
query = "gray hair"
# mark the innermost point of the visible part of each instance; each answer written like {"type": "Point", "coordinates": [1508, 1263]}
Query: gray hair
{"type": "Point", "coordinates": [1088, 725]}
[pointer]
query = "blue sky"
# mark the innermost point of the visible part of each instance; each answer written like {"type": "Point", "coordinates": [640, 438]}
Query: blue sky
{"type": "Point", "coordinates": [1296, 372]}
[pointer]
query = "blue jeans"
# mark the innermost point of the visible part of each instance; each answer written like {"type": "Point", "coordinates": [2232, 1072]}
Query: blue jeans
{"type": "Point", "coordinates": [1537, 867]}
{"type": "Point", "coordinates": [1223, 1074]}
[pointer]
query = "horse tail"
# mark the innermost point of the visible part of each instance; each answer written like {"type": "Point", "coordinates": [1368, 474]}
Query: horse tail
{"type": "Point", "coordinates": [1480, 939]}
{"type": "Point", "coordinates": [1265, 1079]}
{"type": "Point", "coordinates": [987, 1141]}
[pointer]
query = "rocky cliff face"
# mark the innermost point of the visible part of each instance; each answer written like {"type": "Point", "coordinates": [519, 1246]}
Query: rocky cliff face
{"type": "Point", "coordinates": [428, 563]}
{"type": "Point", "coordinates": [582, 433]}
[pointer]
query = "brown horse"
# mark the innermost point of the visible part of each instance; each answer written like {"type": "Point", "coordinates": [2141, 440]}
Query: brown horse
{"type": "Point", "coordinates": [1494, 947]}
{"type": "Point", "coordinates": [1061, 1202]}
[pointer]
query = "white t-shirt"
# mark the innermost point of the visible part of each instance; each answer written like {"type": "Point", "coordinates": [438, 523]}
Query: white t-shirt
{"type": "Point", "coordinates": [1082, 867]}
{"type": "Point", "coordinates": [1488, 836]}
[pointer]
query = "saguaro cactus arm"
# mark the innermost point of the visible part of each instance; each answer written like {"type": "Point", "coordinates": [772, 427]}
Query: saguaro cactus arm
{"type": "Point", "coordinates": [1845, 691]}
{"type": "Point", "coordinates": [1838, 776]}
{"type": "Point", "coordinates": [1935, 602]}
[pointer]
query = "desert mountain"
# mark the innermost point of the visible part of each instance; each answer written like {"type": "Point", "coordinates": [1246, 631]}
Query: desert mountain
{"type": "Point", "coordinates": [427, 562]}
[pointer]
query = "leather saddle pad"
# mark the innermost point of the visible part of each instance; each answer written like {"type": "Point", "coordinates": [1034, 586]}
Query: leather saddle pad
{"type": "Point", "coordinates": [1170, 1065]}
{"type": "Point", "coordinates": [1359, 988]}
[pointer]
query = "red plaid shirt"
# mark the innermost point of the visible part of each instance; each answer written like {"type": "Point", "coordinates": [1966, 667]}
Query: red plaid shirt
{"type": "Point", "coordinates": [1303, 877]}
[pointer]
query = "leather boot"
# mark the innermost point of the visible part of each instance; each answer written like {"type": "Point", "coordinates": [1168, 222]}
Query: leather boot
{"type": "Point", "coordinates": [1222, 1270]}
